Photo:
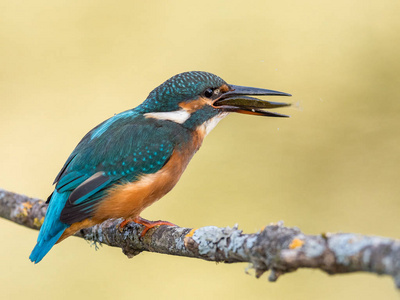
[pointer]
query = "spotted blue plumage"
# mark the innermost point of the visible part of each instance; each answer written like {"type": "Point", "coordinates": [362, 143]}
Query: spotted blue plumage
{"type": "Point", "coordinates": [99, 130]}
{"type": "Point", "coordinates": [181, 87]}
{"type": "Point", "coordinates": [120, 150]}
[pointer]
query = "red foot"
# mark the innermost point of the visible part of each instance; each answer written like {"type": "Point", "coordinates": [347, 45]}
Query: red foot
{"type": "Point", "coordinates": [124, 223]}
{"type": "Point", "coordinates": [150, 224]}
{"type": "Point", "coordinates": [146, 223]}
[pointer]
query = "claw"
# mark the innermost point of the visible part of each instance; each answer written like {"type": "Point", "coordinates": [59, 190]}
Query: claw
{"type": "Point", "coordinates": [146, 223]}
{"type": "Point", "coordinates": [124, 223]}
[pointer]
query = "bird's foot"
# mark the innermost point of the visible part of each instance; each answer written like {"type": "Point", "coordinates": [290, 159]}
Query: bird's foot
{"type": "Point", "coordinates": [125, 222]}
{"type": "Point", "coordinates": [150, 224]}
{"type": "Point", "coordinates": [146, 223]}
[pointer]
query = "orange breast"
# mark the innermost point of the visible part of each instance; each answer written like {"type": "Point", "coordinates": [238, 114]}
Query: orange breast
{"type": "Point", "coordinates": [130, 199]}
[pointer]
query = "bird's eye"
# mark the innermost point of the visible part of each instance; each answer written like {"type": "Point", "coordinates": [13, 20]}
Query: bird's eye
{"type": "Point", "coordinates": [208, 93]}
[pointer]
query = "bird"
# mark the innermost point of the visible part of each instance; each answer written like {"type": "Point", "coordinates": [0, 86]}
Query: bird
{"type": "Point", "coordinates": [134, 158]}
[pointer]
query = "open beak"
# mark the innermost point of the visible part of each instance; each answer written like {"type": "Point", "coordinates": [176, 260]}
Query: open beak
{"type": "Point", "coordinates": [238, 100]}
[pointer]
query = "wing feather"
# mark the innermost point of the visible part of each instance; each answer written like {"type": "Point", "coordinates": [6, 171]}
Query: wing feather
{"type": "Point", "coordinates": [124, 152]}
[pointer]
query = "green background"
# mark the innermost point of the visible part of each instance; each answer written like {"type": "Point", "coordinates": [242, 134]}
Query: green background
{"type": "Point", "coordinates": [65, 66]}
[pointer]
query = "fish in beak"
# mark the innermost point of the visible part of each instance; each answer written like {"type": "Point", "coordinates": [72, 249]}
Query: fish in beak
{"type": "Point", "coordinates": [239, 99]}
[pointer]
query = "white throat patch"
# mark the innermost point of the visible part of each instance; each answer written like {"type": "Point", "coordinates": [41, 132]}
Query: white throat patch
{"type": "Point", "coordinates": [177, 116]}
{"type": "Point", "coordinates": [209, 125]}
{"type": "Point", "coordinates": [182, 115]}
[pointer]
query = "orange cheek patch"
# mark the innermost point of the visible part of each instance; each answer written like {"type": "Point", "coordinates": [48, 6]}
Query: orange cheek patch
{"type": "Point", "coordinates": [199, 103]}
{"type": "Point", "coordinates": [193, 105]}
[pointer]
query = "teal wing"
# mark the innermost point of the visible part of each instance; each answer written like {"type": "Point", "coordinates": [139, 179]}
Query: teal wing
{"type": "Point", "coordinates": [121, 152]}
{"type": "Point", "coordinates": [120, 149]}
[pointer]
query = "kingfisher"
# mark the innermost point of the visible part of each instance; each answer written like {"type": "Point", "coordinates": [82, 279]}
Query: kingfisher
{"type": "Point", "coordinates": [134, 158]}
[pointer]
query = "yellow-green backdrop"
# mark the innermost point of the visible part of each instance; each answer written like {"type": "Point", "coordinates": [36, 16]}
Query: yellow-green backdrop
{"type": "Point", "coordinates": [65, 66]}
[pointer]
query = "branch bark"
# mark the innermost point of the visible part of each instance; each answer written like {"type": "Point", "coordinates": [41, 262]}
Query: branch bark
{"type": "Point", "coordinates": [276, 248]}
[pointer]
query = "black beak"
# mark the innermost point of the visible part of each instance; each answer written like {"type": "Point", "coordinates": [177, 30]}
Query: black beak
{"type": "Point", "coordinates": [237, 100]}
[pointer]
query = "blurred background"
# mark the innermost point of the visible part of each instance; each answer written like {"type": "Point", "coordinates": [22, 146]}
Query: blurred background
{"type": "Point", "coordinates": [334, 166]}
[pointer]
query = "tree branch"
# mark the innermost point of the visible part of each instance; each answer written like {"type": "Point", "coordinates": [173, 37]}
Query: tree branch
{"type": "Point", "coordinates": [276, 248]}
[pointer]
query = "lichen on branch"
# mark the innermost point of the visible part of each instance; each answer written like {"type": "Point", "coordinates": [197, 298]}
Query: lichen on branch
{"type": "Point", "coordinates": [276, 248]}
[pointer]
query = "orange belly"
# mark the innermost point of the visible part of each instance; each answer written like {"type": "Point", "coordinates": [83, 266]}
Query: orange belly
{"type": "Point", "coordinates": [130, 199]}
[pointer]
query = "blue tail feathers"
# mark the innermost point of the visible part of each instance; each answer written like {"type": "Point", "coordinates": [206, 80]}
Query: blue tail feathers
{"type": "Point", "coordinates": [52, 227]}
{"type": "Point", "coordinates": [44, 246]}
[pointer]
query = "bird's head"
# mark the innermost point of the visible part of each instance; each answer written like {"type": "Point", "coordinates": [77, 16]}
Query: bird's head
{"type": "Point", "coordinates": [197, 98]}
